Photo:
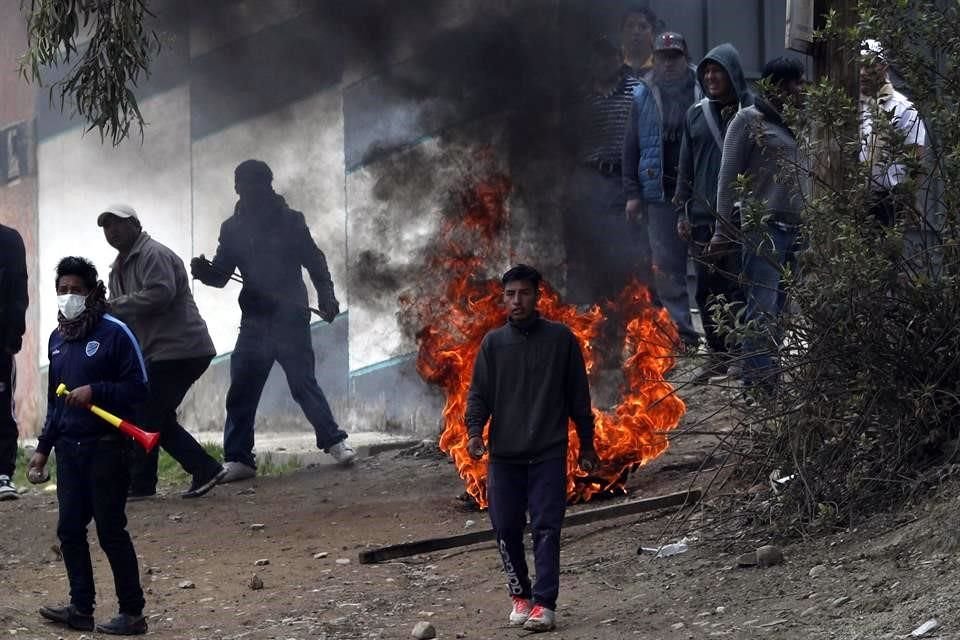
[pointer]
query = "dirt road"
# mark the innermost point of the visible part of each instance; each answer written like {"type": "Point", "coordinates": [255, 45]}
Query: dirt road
{"type": "Point", "coordinates": [315, 521]}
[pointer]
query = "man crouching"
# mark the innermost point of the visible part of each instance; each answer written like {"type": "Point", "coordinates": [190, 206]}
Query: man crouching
{"type": "Point", "coordinates": [529, 379]}
{"type": "Point", "coordinates": [96, 356]}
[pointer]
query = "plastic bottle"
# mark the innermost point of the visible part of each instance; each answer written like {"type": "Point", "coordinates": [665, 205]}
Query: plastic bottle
{"type": "Point", "coordinates": [672, 549]}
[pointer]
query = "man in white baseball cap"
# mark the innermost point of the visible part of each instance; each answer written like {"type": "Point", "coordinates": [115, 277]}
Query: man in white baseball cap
{"type": "Point", "coordinates": [150, 291]}
{"type": "Point", "coordinates": [122, 211]}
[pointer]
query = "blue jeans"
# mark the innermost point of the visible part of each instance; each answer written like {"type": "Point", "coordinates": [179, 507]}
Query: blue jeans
{"type": "Point", "coordinates": [766, 252]}
{"type": "Point", "coordinates": [669, 254]}
{"type": "Point", "coordinates": [541, 488]}
{"type": "Point", "coordinates": [263, 341]}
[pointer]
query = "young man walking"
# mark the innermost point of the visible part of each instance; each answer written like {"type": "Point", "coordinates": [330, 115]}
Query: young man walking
{"type": "Point", "coordinates": [98, 359]}
{"type": "Point", "coordinates": [270, 244]}
{"type": "Point", "coordinates": [529, 380]}
{"type": "Point", "coordinates": [13, 309]}
{"type": "Point", "coordinates": [150, 291]}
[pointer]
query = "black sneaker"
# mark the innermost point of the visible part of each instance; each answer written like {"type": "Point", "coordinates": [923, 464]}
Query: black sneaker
{"type": "Point", "coordinates": [124, 625]}
{"type": "Point", "coordinates": [200, 487]}
{"type": "Point", "coordinates": [70, 616]}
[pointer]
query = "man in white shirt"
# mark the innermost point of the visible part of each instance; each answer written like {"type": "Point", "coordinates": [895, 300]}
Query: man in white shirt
{"type": "Point", "coordinates": [889, 169]}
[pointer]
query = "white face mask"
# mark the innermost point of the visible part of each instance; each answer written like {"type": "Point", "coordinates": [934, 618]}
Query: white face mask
{"type": "Point", "coordinates": [71, 305]}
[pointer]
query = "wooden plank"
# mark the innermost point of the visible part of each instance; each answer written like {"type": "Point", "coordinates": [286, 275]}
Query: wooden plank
{"type": "Point", "coordinates": [683, 498]}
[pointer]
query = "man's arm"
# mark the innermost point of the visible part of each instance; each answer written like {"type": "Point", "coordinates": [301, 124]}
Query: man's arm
{"type": "Point", "coordinates": [915, 133]}
{"type": "Point", "coordinates": [478, 398]}
{"type": "Point", "coordinates": [316, 264]}
{"type": "Point", "coordinates": [130, 383]}
{"type": "Point", "coordinates": [578, 394]}
{"type": "Point", "coordinates": [737, 145]}
{"type": "Point", "coordinates": [630, 160]}
{"type": "Point", "coordinates": [216, 273]}
{"type": "Point", "coordinates": [685, 170]}
{"type": "Point", "coordinates": [14, 283]}
{"type": "Point", "coordinates": [157, 287]}
{"type": "Point", "coordinates": [51, 426]}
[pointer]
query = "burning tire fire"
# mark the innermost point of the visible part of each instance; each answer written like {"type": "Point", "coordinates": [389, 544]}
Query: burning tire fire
{"type": "Point", "coordinates": [630, 435]}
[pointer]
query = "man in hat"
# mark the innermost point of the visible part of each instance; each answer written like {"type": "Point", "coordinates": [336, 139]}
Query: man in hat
{"type": "Point", "coordinates": [270, 244]}
{"type": "Point", "coordinates": [890, 198]}
{"type": "Point", "coordinates": [150, 292]}
{"type": "Point", "coordinates": [651, 154]}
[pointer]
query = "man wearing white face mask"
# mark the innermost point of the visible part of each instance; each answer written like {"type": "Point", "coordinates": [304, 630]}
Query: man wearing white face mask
{"type": "Point", "coordinates": [98, 359]}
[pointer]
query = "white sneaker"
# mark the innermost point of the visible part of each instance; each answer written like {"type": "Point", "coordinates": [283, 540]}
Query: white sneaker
{"type": "Point", "coordinates": [236, 471]}
{"type": "Point", "coordinates": [541, 619]}
{"type": "Point", "coordinates": [8, 490]}
{"type": "Point", "coordinates": [342, 453]}
{"type": "Point", "coordinates": [521, 611]}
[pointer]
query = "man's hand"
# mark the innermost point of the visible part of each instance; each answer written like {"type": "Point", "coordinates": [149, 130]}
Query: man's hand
{"type": "Point", "coordinates": [634, 210]}
{"type": "Point", "coordinates": [79, 397]}
{"type": "Point", "coordinates": [200, 267]}
{"type": "Point", "coordinates": [718, 247]}
{"type": "Point", "coordinates": [36, 470]}
{"type": "Point", "coordinates": [683, 227]}
{"type": "Point", "coordinates": [475, 447]}
{"type": "Point", "coordinates": [329, 310]}
{"type": "Point", "coordinates": [589, 461]}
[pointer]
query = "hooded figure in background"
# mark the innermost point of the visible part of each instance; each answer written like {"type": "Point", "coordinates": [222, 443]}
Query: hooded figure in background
{"type": "Point", "coordinates": [720, 75]}
{"type": "Point", "coordinates": [270, 244]}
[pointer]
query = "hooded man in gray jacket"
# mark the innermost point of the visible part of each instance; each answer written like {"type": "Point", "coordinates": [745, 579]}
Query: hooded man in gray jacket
{"type": "Point", "coordinates": [150, 292]}
{"type": "Point", "coordinates": [721, 77]}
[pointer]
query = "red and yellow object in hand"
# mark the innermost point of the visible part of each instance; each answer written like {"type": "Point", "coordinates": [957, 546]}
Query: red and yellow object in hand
{"type": "Point", "coordinates": [145, 439]}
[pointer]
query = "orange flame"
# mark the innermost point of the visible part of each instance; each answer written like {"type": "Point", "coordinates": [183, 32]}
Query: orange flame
{"type": "Point", "coordinates": [628, 436]}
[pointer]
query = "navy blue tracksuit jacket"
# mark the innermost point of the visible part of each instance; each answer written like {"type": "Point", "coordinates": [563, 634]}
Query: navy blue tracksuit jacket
{"type": "Point", "coordinates": [108, 359]}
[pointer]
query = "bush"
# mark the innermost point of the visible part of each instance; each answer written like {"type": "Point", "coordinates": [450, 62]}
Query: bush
{"type": "Point", "coordinates": [864, 416]}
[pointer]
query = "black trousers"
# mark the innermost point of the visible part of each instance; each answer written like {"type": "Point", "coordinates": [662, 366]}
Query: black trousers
{"type": "Point", "coordinates": [261, 343]}
{"type": "Point", "coordinates": [8, 422]}
{"type": "Point", "coordinates": [715, 277]}
{"type": "Point", "coordinates": [169, 382]}
{"type": "Point", "coordinates": [92, 484]}
{"type": "Point", "coordinates": [541, 489]}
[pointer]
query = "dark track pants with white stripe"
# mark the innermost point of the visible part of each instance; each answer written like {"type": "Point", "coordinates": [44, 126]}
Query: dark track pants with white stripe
{"type": "Point", "coordinates": [8, 423]}
{"type": "Point", "coordinates": [541, 489]}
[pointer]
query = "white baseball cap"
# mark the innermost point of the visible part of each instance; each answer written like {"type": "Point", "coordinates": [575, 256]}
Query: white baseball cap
{"type": "Point", "coordinates": [872, 48]}
{"type": "Point", "coordinates": [119, 210]}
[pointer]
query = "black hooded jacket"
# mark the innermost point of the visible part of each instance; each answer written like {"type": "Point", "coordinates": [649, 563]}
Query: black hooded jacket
{"type": "Point", "coordinates": [699, 153]}
{"type": "Point", "coordinates": [270, 248]}
{"type": "Point", "coordinates": [13, 290]}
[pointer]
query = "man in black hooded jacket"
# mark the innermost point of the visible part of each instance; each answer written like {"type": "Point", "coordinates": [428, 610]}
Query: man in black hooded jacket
{"type": "Point", "coordinates": [721, 77]}
{"type": "Point", "coordinates": [270, 244]}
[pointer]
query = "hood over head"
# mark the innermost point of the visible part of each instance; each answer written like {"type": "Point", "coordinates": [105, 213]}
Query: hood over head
{"type": "Point", "coordinates": [727, 56]}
